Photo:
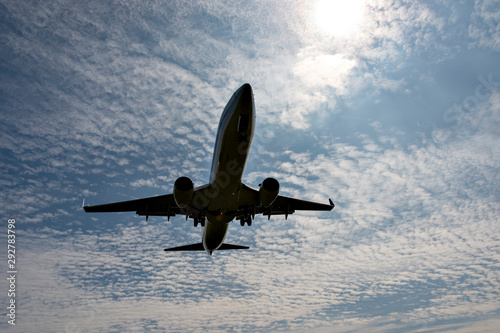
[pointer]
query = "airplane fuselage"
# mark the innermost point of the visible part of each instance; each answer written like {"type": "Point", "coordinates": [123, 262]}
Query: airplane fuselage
{"type": "Point", "coordinates": [234, 139]}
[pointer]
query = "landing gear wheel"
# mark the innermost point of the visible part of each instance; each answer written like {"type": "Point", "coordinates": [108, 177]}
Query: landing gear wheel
{"type": "Point", "coordinates": [200, 221]}
{"type": "Point", "coordinates": [247, 220]}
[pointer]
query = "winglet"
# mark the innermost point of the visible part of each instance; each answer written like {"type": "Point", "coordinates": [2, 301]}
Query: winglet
{"type": "Point", "coordinates": [331, 203]}
{"type": "Point", "coordinates": [83, 203]}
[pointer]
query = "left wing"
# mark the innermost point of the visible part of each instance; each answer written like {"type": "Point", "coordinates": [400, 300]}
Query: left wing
{"type": "Point", "coordinates": [249, 204]}
{"type": "Point", "coordinates": [163, 205]}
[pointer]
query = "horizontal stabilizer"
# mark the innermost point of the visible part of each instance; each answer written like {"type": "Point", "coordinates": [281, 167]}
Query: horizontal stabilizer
{"type": "Point", "coordinates": [190, 247]}
{"type": "Point", "coordinates": [225, 246]}
{"type": "Point", "coordinates": [199, 247]}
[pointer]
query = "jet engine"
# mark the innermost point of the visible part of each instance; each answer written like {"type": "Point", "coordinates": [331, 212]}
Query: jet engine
{"type": "Point", "coordinates": [268, 191]}
{"type": "Point", "coordinates": [183, 191]}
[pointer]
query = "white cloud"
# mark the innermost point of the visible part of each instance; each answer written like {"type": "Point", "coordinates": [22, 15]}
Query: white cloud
{"type": "Point", "coordinates": [403, 230]}
{"type": "Point", "coordinates": [484, 30]}
{"type": "Point", "coordinates": [319, 70]}
{"type": "Point", "coordinates": [97, 100]}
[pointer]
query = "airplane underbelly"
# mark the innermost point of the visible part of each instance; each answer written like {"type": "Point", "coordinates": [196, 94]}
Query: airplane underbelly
{"type": "Point", "coordinates": [224, 203]}
{"type": "Point", "coordinates": [214, 233]}
{"type": "Point", "coordinates": [230, 165]}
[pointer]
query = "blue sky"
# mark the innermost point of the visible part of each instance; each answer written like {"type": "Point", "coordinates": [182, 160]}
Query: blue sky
{"type": "Point", "coordinates": [391, 108]}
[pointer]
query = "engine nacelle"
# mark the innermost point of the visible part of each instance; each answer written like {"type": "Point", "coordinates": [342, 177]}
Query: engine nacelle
{"type": "Point", "coordinates": [268, 191]}
{"type": "Point", "coordinates": [183, 191]}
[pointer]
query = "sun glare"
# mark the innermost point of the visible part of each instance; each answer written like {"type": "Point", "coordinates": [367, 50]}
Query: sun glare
{"type": "Point", "coordinates": [338, 18]}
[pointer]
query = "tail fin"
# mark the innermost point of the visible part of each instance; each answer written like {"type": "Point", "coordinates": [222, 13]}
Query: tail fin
{"type": "Point", "coordinates": [199, 247]}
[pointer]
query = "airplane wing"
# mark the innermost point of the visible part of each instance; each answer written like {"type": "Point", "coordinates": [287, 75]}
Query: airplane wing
{"type": "Point", "coordinates": [249, 204]}
{"type": "Point", "coordinates": [163, 205]}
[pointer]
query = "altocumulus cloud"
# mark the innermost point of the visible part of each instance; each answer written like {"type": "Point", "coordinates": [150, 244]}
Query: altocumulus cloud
{"type": "Point", "coordinates": [113, 101]}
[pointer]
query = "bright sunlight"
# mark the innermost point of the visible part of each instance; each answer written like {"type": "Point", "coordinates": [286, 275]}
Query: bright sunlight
{"type": "Point", "coordinates": [338, 18]}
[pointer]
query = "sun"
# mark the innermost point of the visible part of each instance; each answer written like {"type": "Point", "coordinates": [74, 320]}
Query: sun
{"type": "Point", "coordinates": [338, 18]}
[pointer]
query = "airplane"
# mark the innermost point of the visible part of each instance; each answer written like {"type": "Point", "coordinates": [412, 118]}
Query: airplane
{"type": "Point", "coordinates": [225, 198]}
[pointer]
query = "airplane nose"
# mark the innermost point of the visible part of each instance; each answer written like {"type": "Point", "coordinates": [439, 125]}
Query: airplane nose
{"type": "Point", "coordinates": [246, 92]}
{"type": "Point", "coordinates": [246, 98]}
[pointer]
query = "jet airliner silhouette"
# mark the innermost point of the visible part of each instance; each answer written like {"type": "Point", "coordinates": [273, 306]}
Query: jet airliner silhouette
{"type": "Point", "coordinates": [225, 197]}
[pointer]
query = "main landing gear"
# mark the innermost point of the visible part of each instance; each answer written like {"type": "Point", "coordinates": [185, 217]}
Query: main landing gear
{"type": "Point", "coordinates": [247, 220]}
{"type": "Point", "coordinates": [200, 220]}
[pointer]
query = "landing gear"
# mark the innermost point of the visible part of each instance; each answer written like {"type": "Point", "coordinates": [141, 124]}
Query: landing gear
{"type": "Point", "coordinates": [199, 220]}
{"type": "Point", "coordinates": [247, 220]}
